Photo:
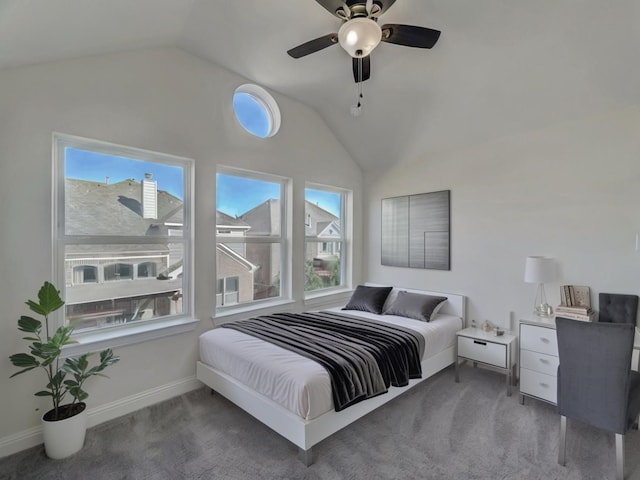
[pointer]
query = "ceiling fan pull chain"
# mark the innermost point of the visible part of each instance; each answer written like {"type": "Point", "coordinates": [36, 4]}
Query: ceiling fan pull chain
{"type": "Point", "coordinates": [356, 110]}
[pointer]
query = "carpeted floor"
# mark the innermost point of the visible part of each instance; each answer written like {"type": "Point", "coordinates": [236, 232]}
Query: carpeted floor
{"type": "Point", "coordinates": [439, 430]}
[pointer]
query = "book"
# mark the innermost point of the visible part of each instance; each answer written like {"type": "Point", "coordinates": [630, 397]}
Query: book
{"type": "Point", "coordinates": [575, 296]}
{"type": "Point", "coordinates": [582, 296]}
{"type": "Point", "coordinates": [574, 316]}
{"type": "Point", "coordinates": [572, 296]}
{"type": "Point", "coordinates": [567, 309]}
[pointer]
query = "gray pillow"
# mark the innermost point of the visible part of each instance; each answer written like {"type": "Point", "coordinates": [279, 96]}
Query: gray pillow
{"type": "Point", "coordinates": [415, 305]}
{"type": "Point", "coordinates": [368, 299]}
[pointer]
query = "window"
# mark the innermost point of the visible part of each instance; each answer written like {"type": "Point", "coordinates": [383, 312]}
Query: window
{"type": "Point", "coordinates": [325, 239]}
{"type": "Point", "coordinates": [251, 229]}
{"type": "Point", "coordinates": [118, 271]}
{"type": "Point", "coordinates": [256, 110]}
{"type": "Point", "coordinates": [123, 236]}
{"type": "Point", "coordinates": [227, 292]}
{"type": "Point", "coordinates": [85, 274]}
{"type": "Point", "coordinates": [146, 269]}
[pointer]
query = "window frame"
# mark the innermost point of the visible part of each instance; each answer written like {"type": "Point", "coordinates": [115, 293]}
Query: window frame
{"type": "Point", "coordinates": [346, 226]}
{"type": "Point", "coordinates": [284, 239]}
{"type": "Point", "coordinates": [134, 332]}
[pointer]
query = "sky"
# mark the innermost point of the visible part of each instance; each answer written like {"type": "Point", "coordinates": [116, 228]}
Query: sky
{"type": "Point", "coordinates": [251, 114]}
{"type": "Point", "coordinates": [85, 165]}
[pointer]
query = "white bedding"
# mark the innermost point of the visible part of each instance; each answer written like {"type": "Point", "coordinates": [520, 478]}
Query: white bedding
{"type": "Point", "coordinates": [297, 383]}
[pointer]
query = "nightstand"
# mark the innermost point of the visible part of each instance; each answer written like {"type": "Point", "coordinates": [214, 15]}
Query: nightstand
{"type": "Point", "coordinates": [488, 349]}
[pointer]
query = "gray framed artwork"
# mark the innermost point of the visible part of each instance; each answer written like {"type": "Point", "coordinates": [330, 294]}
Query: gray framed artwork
{"type": "Point", "coordinates": [416, 231]}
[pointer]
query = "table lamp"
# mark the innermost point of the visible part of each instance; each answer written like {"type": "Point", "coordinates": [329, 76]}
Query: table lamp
{"type": "Point", "coordinates": [540, 270]}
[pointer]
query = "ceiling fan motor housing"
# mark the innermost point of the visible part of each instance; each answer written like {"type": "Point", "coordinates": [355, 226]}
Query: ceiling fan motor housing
{"type": "Point", "coordinates": [359, 36]}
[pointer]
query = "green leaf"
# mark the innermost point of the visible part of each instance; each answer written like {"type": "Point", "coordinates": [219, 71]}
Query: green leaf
{"type": "Point", "coordinates": [61, 336]}
{"type": "Point", "coordinates": [48, 300]}
{"type": "Point", "coordinates": [29, 324]}
{"type": "Point", "coordinates": [83, 363]}
{"type": "Point", "coordinates": [22, 371]}
{"type": "Point", "coordinates": [32, 339]}
{"type": "Point", "coordinates": [43, 393]}
{"type": "Point", "coordinates": [58, 378]}
{"type": "Point", "coordinates": [24, 360]}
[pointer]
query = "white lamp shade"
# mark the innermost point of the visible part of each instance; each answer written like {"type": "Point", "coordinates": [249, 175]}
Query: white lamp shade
{"type": "Point", "coordinates": [359, 36]}
{"type": "Point", "coordinates": [539, 270]}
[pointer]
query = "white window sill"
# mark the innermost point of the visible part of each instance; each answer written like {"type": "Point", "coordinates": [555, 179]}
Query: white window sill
{"type": "Point", "coordinates": [243, 309]}
{"type": "Point", "coordinates": [334, 297]}
{"type": "Point", "coordinates": [128, 335]}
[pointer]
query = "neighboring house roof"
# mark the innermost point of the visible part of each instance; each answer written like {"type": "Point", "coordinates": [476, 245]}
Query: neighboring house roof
{"type": "Point", "coordinates": [94, 208]}
{"type": "Point", "coordinates": [227, 221]}
{"type": "Point", "coordinates": [328, 229]}
{"type": "Point", "coordinates": [223, 249]}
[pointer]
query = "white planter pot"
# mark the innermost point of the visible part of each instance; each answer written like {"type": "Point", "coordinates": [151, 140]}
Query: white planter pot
{"type": "Point", "coordinates": [63, 438]}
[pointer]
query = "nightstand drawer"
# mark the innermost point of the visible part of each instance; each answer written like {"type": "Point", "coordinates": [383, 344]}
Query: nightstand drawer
{"type": "Point", "coordinates": [483, 351]}
{"type": "Point", "coordinates": [539, 385]}
{"type": "Point", "coordinates": [538, 339]}
{"type": "Point", "coordinates": [539, 362]}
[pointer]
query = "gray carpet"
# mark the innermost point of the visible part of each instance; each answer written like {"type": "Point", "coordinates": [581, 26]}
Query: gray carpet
{"type": "Point", "coordinates": [439, 430]}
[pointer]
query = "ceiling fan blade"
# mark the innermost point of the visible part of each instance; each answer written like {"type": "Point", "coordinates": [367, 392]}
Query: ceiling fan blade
{"type": "Point", "coordinates": [314, 45]}
{"type": "Point", "coordinates": [332, 5]}
{"type": "Point", "coordinates": [409, 35]}
{"type": "Point", "coordinates": [384, 5]}
{"type": "Point", "coordinates": [366, 68]}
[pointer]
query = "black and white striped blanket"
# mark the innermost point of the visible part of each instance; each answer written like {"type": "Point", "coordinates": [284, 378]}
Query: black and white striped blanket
{"type": "Point", "coordinates": [363, 357]}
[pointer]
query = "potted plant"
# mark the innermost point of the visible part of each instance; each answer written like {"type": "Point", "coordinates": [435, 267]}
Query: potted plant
{"type": "Point", "coordinates": [64, 426]}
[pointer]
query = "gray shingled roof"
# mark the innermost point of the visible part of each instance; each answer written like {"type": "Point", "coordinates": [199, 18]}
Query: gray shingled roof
{"type": "Point", "coordinates": [94, 208]}
{"type": "Point", "coordinates": [229, 221]}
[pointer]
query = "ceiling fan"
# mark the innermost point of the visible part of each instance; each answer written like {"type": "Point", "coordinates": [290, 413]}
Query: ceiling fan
{"type": "Point", "coordinates": [360, 33]}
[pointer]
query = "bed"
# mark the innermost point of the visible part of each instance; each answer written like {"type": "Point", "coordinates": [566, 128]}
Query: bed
{"type": "Point", "coordinates": [292, 394]}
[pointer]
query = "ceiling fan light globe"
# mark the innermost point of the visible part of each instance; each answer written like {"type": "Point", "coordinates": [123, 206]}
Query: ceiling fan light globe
{"type": "Point", "coordinates": [359, 36]}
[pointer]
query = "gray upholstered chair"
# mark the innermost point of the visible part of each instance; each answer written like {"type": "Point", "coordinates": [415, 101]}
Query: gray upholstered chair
{"type": "Point", "coordinates": [617, 308]}
{"type": "Point", "coordinates": [595, 382]}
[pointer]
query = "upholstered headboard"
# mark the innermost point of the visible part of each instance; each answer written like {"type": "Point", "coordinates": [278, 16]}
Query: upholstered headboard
{"type": "Point", "coordinates": [618, 308]}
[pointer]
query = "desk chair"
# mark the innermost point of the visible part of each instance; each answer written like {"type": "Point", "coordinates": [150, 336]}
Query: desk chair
{"type": "Point", "coordinates": [595, 382]}
{"type": "Point", "coordinates": [617, 308]}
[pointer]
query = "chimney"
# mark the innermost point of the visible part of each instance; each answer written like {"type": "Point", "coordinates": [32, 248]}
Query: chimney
{"type": "Point", "coordinates": [149, 197]}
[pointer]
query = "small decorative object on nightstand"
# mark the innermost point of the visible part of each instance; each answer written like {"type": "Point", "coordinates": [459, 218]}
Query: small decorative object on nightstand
{"type": "Point", "coordinates": [488, 349]}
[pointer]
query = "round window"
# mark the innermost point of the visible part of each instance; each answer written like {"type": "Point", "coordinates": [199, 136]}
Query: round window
{"type": "Point", "coordinates": [256, 110]}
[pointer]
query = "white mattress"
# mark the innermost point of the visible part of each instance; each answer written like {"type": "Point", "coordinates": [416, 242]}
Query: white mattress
{"type": "Point", "coordinates": [297, 383]}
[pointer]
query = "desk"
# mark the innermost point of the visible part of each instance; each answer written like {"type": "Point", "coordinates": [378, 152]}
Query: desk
{"type": "Point", "coordinates": [538, 359]}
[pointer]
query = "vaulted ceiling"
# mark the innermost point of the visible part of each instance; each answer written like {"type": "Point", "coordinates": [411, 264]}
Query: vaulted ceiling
{"type": "Point", "coordinates": [499, 68]}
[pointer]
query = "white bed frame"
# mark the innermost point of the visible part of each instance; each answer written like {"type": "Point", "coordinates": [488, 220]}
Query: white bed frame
{"type": "Point", "coordinates": [306, 433]}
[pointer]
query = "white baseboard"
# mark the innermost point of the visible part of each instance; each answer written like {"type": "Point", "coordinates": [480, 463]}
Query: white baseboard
{"type": "Point", "coordinates": [33, 436]}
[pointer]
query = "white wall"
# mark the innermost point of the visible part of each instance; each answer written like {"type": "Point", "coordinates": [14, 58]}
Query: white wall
{"type": "Point", "coordinates": [162, 100]}
{"type": "Point", "coordinates": [569, 191]}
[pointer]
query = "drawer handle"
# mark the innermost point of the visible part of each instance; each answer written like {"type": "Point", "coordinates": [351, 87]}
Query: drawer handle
{"type": "Point", "coordinates": [545, 385]}
{"type": "Point", "coordinates": [544, 339]}
{"type": "Point", "coordinates": [543, 360]}
{"type": "Point", "coordinates": [479, 342]}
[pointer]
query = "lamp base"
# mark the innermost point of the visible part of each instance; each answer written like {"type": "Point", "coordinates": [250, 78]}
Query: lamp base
{"type": "Point", "coordinates": [543, 310]}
